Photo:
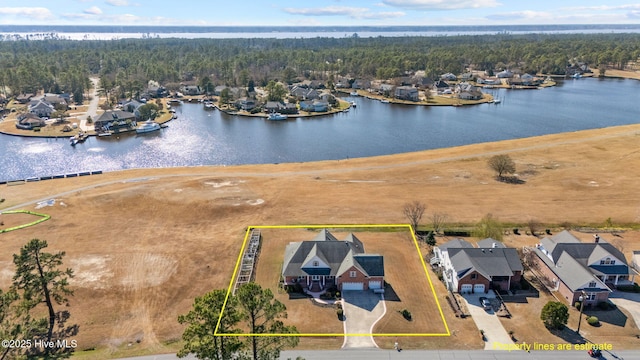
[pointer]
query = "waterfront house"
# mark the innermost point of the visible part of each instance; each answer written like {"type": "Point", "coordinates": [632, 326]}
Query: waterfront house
{"type": "Point", "coordinates": [505, 74]}
{"type": "Point", "coordinates": [59, 101]}
{"type": "Point", "coordinates": [577, 269]}
{"type": "Point", "coordinates": [29, 122]}
{"type": "Point", "coordinates": [325, 262]}
{"type": "Point", "coordinates": [113, 118]}
{"type": "Point", "coordinates": [314, 106]}
{"type": "Point", "coordinates": [407, 93]}
{"type": "Point", "coordinates": [342, 83]}
{"type": "Point", "coordinates": [245, 103]}
{"type": "Point", "coordinates": [41, 108]}
{"type": "Point", "coordinates": [361, 84]}
{"type": "Point", "coordinates": [191, 90]}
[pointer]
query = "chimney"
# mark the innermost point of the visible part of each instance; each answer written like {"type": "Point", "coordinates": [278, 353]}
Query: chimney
{"type": "Point", "coordinates": [596, 238]}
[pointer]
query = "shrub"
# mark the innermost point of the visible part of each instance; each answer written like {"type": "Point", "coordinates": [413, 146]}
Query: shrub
{"type": "Point", "coordinates": [593, 321]}
{"type": "Point", "coordinates": [629, 288]}
{"type": "Point", "coordinates": [577, 305]}
{"type": "Point", "coordinates": [406, 314]}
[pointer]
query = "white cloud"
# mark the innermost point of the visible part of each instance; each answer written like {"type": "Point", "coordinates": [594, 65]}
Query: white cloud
{"type": "Point", "coordinates": [118, 2]}
{"type": "Point", "coordinates": [94, 10]}
{"type": "Point", "coordinates": [441, 4]}
{"type": "Point", "coordinates": [520, 15]}
{"type": "Point", "coordinates": [606, 7]}
{"type": "Point", "coordinates": [352, 12]}
{"type": "Point", "coordinates": [37, 13]}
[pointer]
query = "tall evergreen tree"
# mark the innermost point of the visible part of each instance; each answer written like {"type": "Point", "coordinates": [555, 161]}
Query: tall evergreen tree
{"type": "Point", "coordinates": [262, 312]}
{"type": "Point", "coordinates": [41, 281]}
{"type": "Point", "coordinates": [202, 321]}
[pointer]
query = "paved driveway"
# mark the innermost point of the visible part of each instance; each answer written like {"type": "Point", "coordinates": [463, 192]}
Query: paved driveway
{"type": "Point", "coordinates": [629, 301]}
{"type": "Point", "coordinates": [488, 321]}
{"type": "Point", "coordinates": [362, 309]}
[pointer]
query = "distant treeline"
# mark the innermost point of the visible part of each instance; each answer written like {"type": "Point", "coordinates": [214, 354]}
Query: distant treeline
{"type": "Point", "coordinates": [127, 65]}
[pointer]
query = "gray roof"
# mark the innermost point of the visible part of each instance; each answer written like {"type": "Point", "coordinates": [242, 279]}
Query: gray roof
{"type": "Point", "coordinates": [585, 253]}
{"type": "Point", "coordinates": [490, 243]}
{"type": "Point", "coordinates": [114, 115]}
{"type": "Point", "coordinates": [455, 243]}
{"type": "Point", "coordinates": [487, 262]}
{"type": "Point", "coordinates": [338, 255]}
{"type": "Point", "coordinates": [570, 271]}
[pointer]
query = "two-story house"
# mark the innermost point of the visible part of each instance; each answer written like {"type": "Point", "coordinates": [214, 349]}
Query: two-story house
{"type": "Point", "coordinates": [577, 269]}
{"type": "Point", "coordinates": [325, 262]}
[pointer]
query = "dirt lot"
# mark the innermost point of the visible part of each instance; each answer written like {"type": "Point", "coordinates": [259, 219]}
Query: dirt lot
{"type": "Point", "coordinates": [144, 243]}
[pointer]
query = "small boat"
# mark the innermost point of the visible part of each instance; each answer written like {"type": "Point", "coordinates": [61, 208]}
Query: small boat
{"type": "Point", "coordinates": [384, 101]}
{"type": "Point", "coordinates": [81, 137]}
{"type": "Point", "coordinates": [496, 101]}
{"type": "Point", "coordinates": [209, 105]}
{"type": "Point", "coordinates": [277, 116]}
{"type": "Point", "coordinates": [354, 93]}
{"type": "Point", "coordinates": [353, 104]}
{"type": "Point", "coordinates": [147, 126]}
{"type": "Point", "coordinates": [576, 76]}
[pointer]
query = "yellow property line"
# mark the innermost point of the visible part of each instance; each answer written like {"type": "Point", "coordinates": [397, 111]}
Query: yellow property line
{"type": "Point", "coordinates": [331, 226]}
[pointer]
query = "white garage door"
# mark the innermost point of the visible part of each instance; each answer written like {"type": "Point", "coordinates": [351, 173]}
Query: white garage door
{"type": "Point", "coordinates": [466, 288]}
{"type": "Point", "coordinates": [375, 284]}
{"type": "Point", "coordinates": [478, 288]}
{"type": "Point", "coordinates": [352, 286]}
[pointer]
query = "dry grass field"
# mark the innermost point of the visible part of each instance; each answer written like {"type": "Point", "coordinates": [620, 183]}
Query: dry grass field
{"type": "Point", "coordinates": [144, 243]}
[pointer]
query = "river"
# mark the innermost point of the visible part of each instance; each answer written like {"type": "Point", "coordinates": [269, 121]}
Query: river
{"type": "Point", "coordinates": [200, 137]}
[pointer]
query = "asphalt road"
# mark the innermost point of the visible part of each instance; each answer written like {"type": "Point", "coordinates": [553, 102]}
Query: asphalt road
{"type": "Point", "coordinates": [376, 354]}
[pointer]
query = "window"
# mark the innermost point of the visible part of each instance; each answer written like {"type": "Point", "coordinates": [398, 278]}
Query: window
{"type": "Point", "coordinates": [352, 274]}
{"type": "Point", "coordinates": [301, 277]}
{"type": "Point", "coordinates": [315, 263]}
{"type": "Point", "coordinates": [592, 284]}
{"type": "Point", "coordinates": [315, 277]}
{"type": "Point", "coordinates": [591, 296]}
{"type": "Point", "coordinates": [474, 276]}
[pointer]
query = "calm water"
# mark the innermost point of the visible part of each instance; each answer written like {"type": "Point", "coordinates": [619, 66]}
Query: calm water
{"type": "Point", "coordinates": [200, 137]}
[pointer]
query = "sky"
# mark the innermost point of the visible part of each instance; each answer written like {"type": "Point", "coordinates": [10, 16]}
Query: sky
{"type": "Point", "coordinates": [317, 13]}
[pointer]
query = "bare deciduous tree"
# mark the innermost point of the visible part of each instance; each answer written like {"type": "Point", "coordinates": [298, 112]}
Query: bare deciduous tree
{"type": "Point", "coordinates": [502, 164]}
{"type": "Point", "coordinates": [413, 211]}
{"type": "Point", "coordinates": [438, 219]}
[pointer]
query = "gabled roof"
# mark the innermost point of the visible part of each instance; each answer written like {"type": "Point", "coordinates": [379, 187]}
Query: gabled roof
{"type": "Point", "coordinates": [324, 235]}
{"type": "Point", "coordinates": [455, 243]}
{"type": "Point", "coordinates": [570, 271]}
{"type": "Point", "coordinates": [114, 115]}
{"type": "Point", "coordinates": [338, 255]}
{"type": "Point", "coordinates": [585, 253]}
{"type": "Point", "coordinates": [487, 262]}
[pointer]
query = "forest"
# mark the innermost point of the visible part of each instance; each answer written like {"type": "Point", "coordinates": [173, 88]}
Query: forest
{"type": "Point", "coordinates": [55, 66]}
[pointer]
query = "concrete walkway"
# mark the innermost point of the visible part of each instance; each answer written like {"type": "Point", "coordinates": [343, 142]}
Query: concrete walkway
{"type": "Point", "coordinates": [362, 309]}
{"type": "Point", "coordinates": [495, 334]}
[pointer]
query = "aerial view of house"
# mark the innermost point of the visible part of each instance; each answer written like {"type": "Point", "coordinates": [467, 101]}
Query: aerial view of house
{"type": "Point", "coordinates": [325, 262]}
{"type": "Point", "coordinates": [577, 269]}
{"type": "Point", "coordinates": [467, 269]}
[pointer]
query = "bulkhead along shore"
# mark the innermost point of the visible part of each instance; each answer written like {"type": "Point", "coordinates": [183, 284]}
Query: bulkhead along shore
{"type": "Point", "coordinates": [144, 243]}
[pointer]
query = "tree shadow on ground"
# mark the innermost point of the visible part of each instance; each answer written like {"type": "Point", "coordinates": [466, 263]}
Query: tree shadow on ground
{"type": "Point", "coordinates": [613, 317]}
{"type": "Point", "coordinates": [390, 294]}
{"type": "Point", "coordinates": [510, 180]}
{"type": "Point", "coordinates": [568, 335]}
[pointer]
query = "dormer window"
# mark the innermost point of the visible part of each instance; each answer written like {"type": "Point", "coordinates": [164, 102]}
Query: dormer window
{"type": "Point", "coordinates": [315, 263]}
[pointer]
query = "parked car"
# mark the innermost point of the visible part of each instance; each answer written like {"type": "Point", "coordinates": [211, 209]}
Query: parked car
{"type": "Point", "coordinates": [486, 304]}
